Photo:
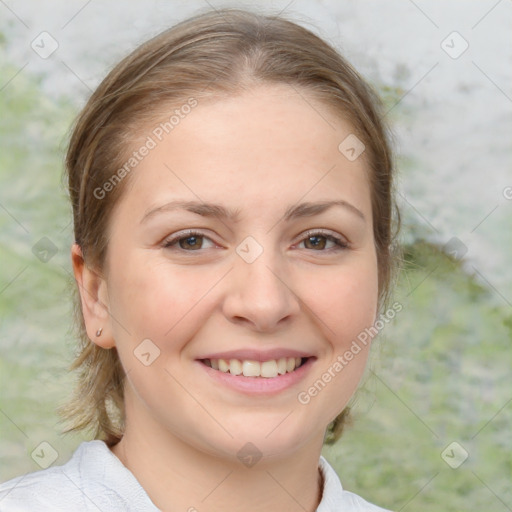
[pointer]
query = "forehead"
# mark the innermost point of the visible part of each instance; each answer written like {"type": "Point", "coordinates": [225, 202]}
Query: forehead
{"type": "Point", "coordinates": [268, 142]}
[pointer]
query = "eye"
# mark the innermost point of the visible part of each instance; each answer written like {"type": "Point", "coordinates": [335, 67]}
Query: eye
{"type": "Point", "coordinates": [318, 241]}
{"type": "Point", "coordinates": [188, 241]}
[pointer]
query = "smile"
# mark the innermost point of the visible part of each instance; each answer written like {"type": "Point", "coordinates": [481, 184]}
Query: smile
{"type": "Point", "coordinates": [250, 368]}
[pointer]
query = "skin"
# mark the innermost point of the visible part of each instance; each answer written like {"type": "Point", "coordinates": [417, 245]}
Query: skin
{"type": "Point", "coordinates": [259, 152]}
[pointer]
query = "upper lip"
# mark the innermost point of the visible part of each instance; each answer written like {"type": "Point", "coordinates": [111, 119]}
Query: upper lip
{"type": "Point", "coordinates": [257, 355]}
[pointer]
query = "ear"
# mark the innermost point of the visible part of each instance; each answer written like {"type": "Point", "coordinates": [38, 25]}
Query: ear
{"type": "Point", "coordinates": [94, 298]}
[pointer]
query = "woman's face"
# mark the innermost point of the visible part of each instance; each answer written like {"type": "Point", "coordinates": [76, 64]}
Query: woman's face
{"type": "Point", "coordinates": [269, 273]}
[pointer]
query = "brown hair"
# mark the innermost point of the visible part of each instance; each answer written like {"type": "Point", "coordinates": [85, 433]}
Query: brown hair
{"type": "Point", "coordinates": [215, 54]}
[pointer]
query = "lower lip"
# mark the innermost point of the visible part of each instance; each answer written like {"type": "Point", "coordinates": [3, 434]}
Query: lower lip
{"type": "Point", "coordinates": [260, 385]}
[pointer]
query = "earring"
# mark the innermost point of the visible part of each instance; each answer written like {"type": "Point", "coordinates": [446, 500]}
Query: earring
{"type": "Point", "coordinates": [99, 331]}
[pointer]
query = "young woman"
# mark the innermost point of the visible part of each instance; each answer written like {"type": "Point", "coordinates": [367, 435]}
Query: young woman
{"type": "Point", "coordinates": [231, 184]}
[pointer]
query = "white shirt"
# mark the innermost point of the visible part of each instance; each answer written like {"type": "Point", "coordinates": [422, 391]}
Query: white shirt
{"type": "Point", "coordinates": [95, 480]}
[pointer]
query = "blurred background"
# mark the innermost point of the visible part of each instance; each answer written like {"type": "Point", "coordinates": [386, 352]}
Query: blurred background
{"type": "Point", "coordinates": [432, 419]}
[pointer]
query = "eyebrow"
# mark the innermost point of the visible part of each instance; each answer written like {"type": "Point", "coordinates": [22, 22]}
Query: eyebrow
{"type": "Point", "coordinates": [221, 212]}
{"type": "Point", "coordinates": [310, 209]}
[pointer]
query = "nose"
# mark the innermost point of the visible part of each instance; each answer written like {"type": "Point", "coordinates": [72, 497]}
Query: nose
{"type": "Point", "coordinates": [260, 294]}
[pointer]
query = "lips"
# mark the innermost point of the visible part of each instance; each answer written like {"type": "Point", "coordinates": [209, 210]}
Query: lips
{"type": "Point", "coordinates": [257, 385]}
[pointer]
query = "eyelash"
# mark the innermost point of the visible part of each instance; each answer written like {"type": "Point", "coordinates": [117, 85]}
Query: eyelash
{"type": "Point", "coordinates": [340, 243]}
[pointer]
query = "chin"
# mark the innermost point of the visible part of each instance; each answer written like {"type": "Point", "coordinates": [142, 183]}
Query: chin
{"type": "Point", "coordinates": [266, 439]}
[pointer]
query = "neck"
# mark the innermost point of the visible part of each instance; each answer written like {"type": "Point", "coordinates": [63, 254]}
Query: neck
{"type": "Point", "coordinates": [178, 476]}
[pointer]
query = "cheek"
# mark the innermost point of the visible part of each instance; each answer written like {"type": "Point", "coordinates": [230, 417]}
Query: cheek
{"type": "Point", "coordinates": [152, 299]}
{"type": "Point", "coordinates": [347, 309]}
{"type": "Point", "coordinates": [345, 304]}
{"type": "Point", "coordinates": [345, 300]}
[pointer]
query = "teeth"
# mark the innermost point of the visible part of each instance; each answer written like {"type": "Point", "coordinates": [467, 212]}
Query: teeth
{"type": "Point", "coordinates": [281, 366]}
{"type": "Point", "coordinates": [251, 369]}
{"type": "Point", "coordinates": [269, 369]}
{"type": "Point", "coordinates": [235, 367]}
{"type": "Point", "coordinates": [248, 368]}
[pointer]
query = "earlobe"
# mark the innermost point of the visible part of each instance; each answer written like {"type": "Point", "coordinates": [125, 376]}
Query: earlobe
{"type": "Point", "coordinates": [94, 299]}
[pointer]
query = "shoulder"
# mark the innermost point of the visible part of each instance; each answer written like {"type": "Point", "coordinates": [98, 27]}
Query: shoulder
{"type": "Point", "coordinates": [94, 479]}
{"type": "Point", "coordinates": [335, 498]}
{"type": "Point", "coordinates": [57, 487]}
